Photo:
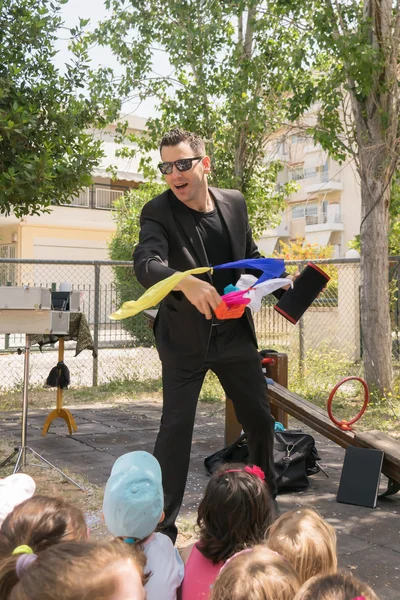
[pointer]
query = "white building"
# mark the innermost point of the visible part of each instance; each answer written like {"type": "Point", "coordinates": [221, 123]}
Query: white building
{"type": "Point", "coordinates": [326, 208]}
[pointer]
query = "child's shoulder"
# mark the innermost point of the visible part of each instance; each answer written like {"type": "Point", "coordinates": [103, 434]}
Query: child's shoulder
{"type": "Point", "coordinates": [162, 556]}
{"type": "Point", "coordinates": [159, 543]}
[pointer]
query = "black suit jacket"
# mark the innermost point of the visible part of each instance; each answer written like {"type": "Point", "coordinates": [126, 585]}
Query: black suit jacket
{"type": "Point", "coordinates": [169, 241]}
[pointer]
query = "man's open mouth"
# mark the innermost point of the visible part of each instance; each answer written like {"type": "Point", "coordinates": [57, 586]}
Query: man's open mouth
{"type": "Point", "coordinates": [180, 187]}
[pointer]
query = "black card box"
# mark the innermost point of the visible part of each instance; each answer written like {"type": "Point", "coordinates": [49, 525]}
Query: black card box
{"type": "Point", "coordinates": [60, 300]}
{"type": "Point", "coordinates": [295, 301]}
{"type": "Point", "coordinates": [361, 473]}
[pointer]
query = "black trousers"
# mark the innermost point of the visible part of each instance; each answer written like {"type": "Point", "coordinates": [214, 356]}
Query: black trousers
{"type": "Point", "coordinates": [234, 358]}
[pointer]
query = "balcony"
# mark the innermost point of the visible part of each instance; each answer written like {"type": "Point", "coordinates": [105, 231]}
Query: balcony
{"type": "Point", "coordinates": [323, 183]}
{"type": "Point", "coordinates": [98, 196]}
{"type": "Point", "coordinates": [282, 231]}
{"type": "Point", "coordinates": [104, 198]}
{"type": "Point", "coordinates": [324, 222]}
{"type": "Point", "coordinates": [82, 201]}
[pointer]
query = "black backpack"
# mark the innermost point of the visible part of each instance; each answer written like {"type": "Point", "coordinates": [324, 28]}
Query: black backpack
{"type": "Point", "coordinates": [295, 458]}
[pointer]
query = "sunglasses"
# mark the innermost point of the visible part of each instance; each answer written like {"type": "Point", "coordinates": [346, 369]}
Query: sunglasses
{"type": "Point", "coordinates": [184, 164]}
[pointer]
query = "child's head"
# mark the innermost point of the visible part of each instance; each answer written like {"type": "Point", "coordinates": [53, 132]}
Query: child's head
{"type": "Point", "coordinates": [133, 498]}
{"type": "Point", "coordinates": [339, 586]}
{"type": "Point", "coordinates": [257, 573]}
{"type": "Point", "coordinates": [40, 522]}
{"type": "Point", "coordinates": [306, 541]}
{"type": "Point", "coordinates": [105, 571]}
{"type": "Point", "coordinates": [14, 489]}
{"type": "Point", "coordinates": [235, 512]}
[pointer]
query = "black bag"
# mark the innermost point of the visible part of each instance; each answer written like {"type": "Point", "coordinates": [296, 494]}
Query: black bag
{"type": "Point", "coordinates": [295, 458]}
{"type": "Point", "coordinates": [59, 376]}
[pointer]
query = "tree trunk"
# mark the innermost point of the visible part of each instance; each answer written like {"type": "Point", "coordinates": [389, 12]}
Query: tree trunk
{"type": "Point", "coordinates": [374, 301]}
{"type": "Point", "coordinates": [246, 45]}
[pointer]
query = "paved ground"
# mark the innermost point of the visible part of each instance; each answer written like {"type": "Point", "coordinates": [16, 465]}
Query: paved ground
{"type": "Point", "coordinates": [368, 539]}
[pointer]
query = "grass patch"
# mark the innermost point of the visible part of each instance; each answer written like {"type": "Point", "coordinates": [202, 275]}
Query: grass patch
{"type": "Point", "coordinates": [187, 531]}
{"type": "Point", "coordinates": [113, 392]}
{"type": "Point", "coordinates": [212, 390]}
{"type": "Point", "coordinates": [323, 369]}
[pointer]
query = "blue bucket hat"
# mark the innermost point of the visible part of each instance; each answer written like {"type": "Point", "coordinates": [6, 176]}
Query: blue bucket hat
{"type": "Point", "coordinates": [133, 498]}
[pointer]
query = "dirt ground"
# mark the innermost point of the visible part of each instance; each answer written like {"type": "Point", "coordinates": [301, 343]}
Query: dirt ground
{"type": "Point", "coordinates": [50, 483]}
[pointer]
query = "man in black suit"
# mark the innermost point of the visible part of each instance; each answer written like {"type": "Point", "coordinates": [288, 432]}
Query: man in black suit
{"type": "Point", "coordinates": [191, 225]}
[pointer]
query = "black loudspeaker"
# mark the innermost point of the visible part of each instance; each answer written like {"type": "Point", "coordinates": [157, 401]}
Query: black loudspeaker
{"type": "Point", "coordinates": [361, 474]}
{"type": "Point", "coordinates": [295, 301]}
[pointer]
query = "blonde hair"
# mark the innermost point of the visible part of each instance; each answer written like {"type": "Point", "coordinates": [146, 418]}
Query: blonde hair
{"type": "Point", "coordinates": [339, 586]}
{"type": "Point", "coordinates": [307, 541]}
{"type": "Point", "coordinates": [71, 570]}
{"type": "Point", "coordinates": [257, 573]}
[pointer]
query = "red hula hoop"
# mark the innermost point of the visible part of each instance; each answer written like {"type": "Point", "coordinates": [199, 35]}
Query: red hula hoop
{"type": "Point", "coordinates": [345, 425]}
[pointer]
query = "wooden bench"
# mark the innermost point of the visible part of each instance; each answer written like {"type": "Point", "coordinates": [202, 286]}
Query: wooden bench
{"type": "Point", "coordinates": [316, 418]}
{"type": "Point", "coordinates": [284, 403]}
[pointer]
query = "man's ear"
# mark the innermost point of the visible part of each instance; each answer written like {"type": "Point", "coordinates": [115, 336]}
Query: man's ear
{"type": "Point", "coordinates": [162, 517]}
{"type": "Point", "coordinates": [207, 165]}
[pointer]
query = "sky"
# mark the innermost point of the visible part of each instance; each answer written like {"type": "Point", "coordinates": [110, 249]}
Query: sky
{"type": "Point", "coordinates": [96, 11]}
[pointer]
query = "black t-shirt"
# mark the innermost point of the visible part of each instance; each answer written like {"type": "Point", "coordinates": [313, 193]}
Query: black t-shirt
{"type": "Point", "coordinates": [217, 244]}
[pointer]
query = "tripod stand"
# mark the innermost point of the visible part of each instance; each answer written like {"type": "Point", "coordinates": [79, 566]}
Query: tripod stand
{"type": "Point", "coordinates": [20, 451]}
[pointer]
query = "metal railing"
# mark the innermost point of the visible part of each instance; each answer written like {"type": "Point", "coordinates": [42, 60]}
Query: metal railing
{"type": "Point", "coordinates": [324, 218]}
{"type": "Point", "coordinates": [126, 348]}
{"type": "Point", "coordinates": [98, 196]}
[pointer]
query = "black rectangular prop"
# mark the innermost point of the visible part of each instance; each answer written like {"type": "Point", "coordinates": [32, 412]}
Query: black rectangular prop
{"type": "Point", "coordinates": [295, 301]}
{"type": "Point", "coordinates": [361, 473]}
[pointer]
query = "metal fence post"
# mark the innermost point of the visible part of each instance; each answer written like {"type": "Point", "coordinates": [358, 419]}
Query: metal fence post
{"type": "Point", "coordinates": [397, 313]}
{"type": "Point", "coordinates": [301, 339]}
{"type": "Point", "coordinates": [96, 323]}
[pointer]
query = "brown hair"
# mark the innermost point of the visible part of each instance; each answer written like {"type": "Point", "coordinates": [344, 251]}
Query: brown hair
{"type": "Point", "coordinates": [306, 540]}
{"type": "Point", "coordinates": [235, 512]}
{"type": "Point", "coordinates": [40, 522]}
{"type": "Point", "coordinates": [71, 571]}
{"type": "Point", "coordinates": [259, 574]}
{"type": "Point", "coordinates": [177, 136]}
{"type": "Point", "coordinates": [339, 586]}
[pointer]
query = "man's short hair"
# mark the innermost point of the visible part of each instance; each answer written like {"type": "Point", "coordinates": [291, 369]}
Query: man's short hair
{"type": "Point", "coordinates": [177, 135]}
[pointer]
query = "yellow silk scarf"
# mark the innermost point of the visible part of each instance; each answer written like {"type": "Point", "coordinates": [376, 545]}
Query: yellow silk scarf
{"type": "Point", "coordinates": [154, 294]}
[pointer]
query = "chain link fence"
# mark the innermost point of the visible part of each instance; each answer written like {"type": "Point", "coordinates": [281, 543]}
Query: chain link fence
{"type": "Point", "coordinates": [330, 327]}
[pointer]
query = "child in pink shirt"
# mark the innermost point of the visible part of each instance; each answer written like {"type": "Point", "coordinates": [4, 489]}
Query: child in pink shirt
{"type": "Point", "coordinates": [235, 513]}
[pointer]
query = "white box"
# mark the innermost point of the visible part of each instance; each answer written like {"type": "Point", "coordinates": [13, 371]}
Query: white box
{"type": "Point", "coordinates": [74, 302]}
{"type": "Point", "coordinates": [18, 298]}
{"type": "Point", "coordinates": [34, 321]}
{"type": "Point", "coordinates": [59, 324]}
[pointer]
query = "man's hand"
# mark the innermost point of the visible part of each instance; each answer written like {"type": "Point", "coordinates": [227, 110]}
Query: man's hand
{"type": "Point", "coordinates": [201, 294]}
{"type": "Point", "coordinates": [292, 278]}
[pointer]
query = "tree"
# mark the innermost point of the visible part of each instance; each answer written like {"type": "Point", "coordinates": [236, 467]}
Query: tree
{"type": "Point", "coordinates": [348, 60]}
{"type": "Point", "coordinates": [220, 86]}
{"type": "Point", "coordinates": [126, 213]}
{"type": "Point", "coordinates": [46, 152]}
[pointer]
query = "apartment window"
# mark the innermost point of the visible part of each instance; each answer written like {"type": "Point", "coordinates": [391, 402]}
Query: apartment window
{"type": "Point", "coordinates": [311, 210]}
{"type": "Point", "coordinates": [7, 272]}
{"type": "Point", "coordinates": [299, 139]}
{"type": "Point", "coordinates": [298, 212]}
{"type": "Point", "coordinates": [296, 173]}
{"type": "Point", "coordinates": [310, 173]}
{"type": "Point", "coordinates": [324, 211]}
{"type": "Point", "coordinates": [304, 210]}
{"type": "Point", "coordinates": [7, 251]}
{"type": "Point", "coordinates": [280, 146]}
